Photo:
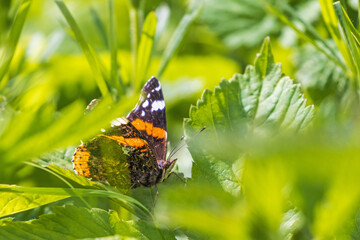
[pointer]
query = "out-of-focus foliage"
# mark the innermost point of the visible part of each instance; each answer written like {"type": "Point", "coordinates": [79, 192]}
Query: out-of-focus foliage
{"type": "Point", "coordinates": [319, 76]}
{"type": "Point", "coordinates": [241, 23]}
{"type": "Point", "coordinates": [289, 188]}
{"type": "Point", "coordinates": [269, 165]}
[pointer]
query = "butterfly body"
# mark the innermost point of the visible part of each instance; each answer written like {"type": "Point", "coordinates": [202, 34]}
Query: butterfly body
{"type": "Point", "coordinates": [132, 152]}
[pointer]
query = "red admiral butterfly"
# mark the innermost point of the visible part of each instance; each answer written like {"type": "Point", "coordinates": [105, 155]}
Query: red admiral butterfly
{"type": "Point", "coordinates": [134, 148]}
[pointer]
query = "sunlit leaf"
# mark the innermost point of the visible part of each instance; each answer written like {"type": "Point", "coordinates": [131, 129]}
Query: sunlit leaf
{"type": "Point", "coordinates": [260, 96]}
{"type": "Point", "coordinates": [11, 202]}
{"type": "Point", "coordinates": [126, 201]}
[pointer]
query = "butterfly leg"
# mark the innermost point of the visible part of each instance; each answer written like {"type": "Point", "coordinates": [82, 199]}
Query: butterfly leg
{"type": "Point", "coordinates": [132, 186]}
{"type": "Point", "coordinates": [156, 196]}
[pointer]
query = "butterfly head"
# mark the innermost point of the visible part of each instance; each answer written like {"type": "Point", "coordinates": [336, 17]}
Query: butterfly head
{"type": "Point", "coordinates": [167, 167]}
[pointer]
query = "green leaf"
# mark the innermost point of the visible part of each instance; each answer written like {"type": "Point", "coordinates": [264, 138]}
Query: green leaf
{"type": "Point", "coordinates": [240, 23]}
{"type": "Point", "coordinates": [12, 202]}
{"type": "Point", "coordinates": [60, 157]}
{"type": "Point", "coordinates": [69, 174]}
{"type": "Point", "coordinates": [125, 201]}
{"type": "Point", "coordinates": [319, 76]}
{"type": "Point", "coordinates": [260, 101]}
{"type": "Point", "coordinates": [13, 39]}
{"type": "Point", "coordinates": [260, 96]}
{"type": "Point", "coordinates": [177, 37]}
{"type": "Point", "coordinates": [145, 50]}
{"type": "Point", "coordinates": [67, 222]}
{"type": "Point", "coordinates": [72, 222]}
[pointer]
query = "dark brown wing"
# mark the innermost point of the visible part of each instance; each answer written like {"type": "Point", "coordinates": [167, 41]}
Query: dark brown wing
{"type": "Point", "coordinates": [149, 118]}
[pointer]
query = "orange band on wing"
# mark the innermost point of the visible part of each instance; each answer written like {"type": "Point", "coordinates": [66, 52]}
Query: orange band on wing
{"type": "Point", "coordinates": [80, 160]}
{"type": "Point", "coordinates": [132, 142]}
{"type": "Point", "coordinates": [139, 124]}
{"type": "Point", "coordinates": [156, 132]}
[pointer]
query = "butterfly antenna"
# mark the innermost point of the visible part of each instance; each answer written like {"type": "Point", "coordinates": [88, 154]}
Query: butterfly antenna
{"type": "Point", "coordinates": [176, 149]}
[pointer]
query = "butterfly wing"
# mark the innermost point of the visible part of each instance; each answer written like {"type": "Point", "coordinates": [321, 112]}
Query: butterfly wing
{"type": "Point", "coordinates": [149, 118]}
{"type": "Point", "coordinates": [119, 156]}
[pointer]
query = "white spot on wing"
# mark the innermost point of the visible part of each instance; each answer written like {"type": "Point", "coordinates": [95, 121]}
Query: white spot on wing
{"type": "Point", "coordinates": [142, 113]}
{"type": "Point", "coordinates": [145, 104]}
{"type": "Point", "coordinates": [102, 130]}
{"type": "Point", "coordinates": [119, 121]}
{"type": "Point", "coordinates": [157, 105]}
{"type": "Point", "coordinates": [149, 95]}
{"type": "Point", "coordinates": [158, 88]}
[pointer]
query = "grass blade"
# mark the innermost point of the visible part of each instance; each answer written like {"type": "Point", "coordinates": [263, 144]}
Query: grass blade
{"type": "Point", "coordinates": [309, 29]}
{"type": "Point", "coordinates": [115, 78]}
{"type": "Point", "coordinates": [89, 53]}
{"type": "Point", "coordinates": [331, 22]}
{"type": "Point", "coordinates": [304, 36]}
{"type": "Point", "coordinates": [348, 29]}
{"type": "Point", "coordinates": [178, 37]}
{"type": "Point", "coordinates": [13, 39]}
{"type": "Point", "coordinates": [100, 27]}
{"type": "Point", "coordinates": [68, 129]}
{"type": "Point", "coordinates": [145, 50]}
{"type": "Point", "coordinates": [358, 17]}
{"type": "Point", "coordinates": [133, 38]}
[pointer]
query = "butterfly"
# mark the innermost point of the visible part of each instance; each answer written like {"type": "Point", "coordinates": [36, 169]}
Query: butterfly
{"type": "Point", "coordinates": [132, 152]}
